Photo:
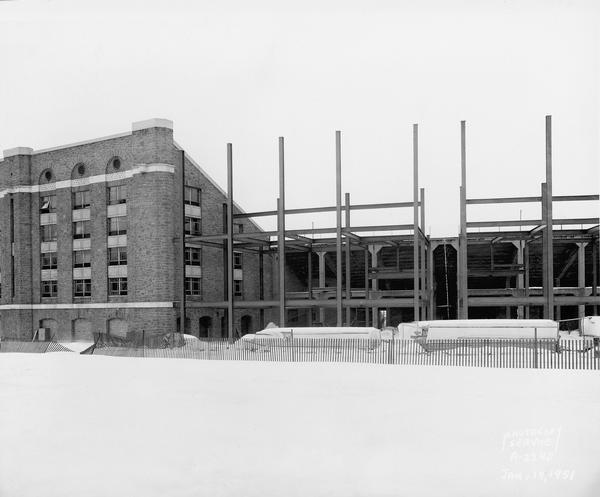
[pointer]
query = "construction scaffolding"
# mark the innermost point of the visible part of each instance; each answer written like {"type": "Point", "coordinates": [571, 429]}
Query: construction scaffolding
{"type": "Point", "coordinates": [345, 240]}
{"type": "Point", "coordinates": [483, 256]}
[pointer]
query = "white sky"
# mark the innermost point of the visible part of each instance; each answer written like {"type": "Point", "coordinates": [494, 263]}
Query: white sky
{"type": "Point", "coordinates": [223, 71]}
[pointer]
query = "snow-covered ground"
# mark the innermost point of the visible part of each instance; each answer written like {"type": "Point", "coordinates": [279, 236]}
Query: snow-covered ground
{"type": "Point", "coordinates": [74, 425]}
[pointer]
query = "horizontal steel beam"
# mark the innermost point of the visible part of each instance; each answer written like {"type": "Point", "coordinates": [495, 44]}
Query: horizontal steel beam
{"type": "Point", "coordinates": [515, 200]}
{"type": "Point", "coordinates": [313, 210]}
{"type": "Point", "coordinates": [305, 303]}
{"type": "Point", "coordinates": [531, 222]}
{"type": "Point", "coordinates": [538, 300]}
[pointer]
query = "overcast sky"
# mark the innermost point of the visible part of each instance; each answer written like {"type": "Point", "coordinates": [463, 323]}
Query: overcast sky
{"type": "Point", "coordinates": [225, 72]}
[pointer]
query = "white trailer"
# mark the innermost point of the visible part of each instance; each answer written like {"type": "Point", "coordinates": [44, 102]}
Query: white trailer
{"type": "Point", "coordinates": [448, 334]}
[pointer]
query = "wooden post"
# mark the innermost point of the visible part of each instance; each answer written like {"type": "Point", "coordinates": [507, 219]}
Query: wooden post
{"type": "Point", "coordinates": [416, 285]}
{"type": "Point", "coordinates": [281, 233]}
{"type": "Point", "coordinates": [463, 290]}
{"type": "Point", "coordinates": [338, 228]}
{"type": "Point", "coordinates": [348, 272]}
{"type": "Point", "coordinates": [230, 292]}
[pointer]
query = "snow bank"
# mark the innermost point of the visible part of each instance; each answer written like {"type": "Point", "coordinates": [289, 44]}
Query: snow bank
{"type": "Point", "coordinates": [74, 425]}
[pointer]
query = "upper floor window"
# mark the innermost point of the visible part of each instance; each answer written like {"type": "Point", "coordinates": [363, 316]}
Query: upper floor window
{"type": "Point", "coordinates": [193, 226]}
{"type": "Point", "coordinates": [192, 195]}
{"type": "Point", "coordinates": [192, 286]}
{"type": "Point", "coordinates": [117, 256]}
{"type": "Point", "coordinates": [49, 288]}
{"type": "Point", "coordinates": [117, 286]}
{"type": "Point", "coordinates": [117, 194]}
{"type": "Point", "coordinates": [48, 233]}
{"type": "Point", "coordinates": [117, 225]}
{"type": "Point", "coordinates": [81, 199]}
{"type": "Point", "coordinates": [193, 256]}
{"type": "Point", "coordinates": [82, 258]}
{"type": "Point", "coordinates": [237, 260]}
{"type": "Point", "coordinates": [82, 288]}
{"type": "Point", "coordinates": [49, 260]}
{"type": "Point", "coordinates": [47, 203]}
{"type": "Point", "coordinates": [81, 229]}
{"type": "Point", "coordinates": [238, 288]}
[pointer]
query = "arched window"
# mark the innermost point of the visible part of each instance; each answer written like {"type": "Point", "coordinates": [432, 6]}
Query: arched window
{"type": "Point", "coordinates": [205, 326]}
{"type": "Point", "coordinates": [82, 330]}
{"type": "Point", "coordinates": [50, 327]}
{"type": "Point", "coordinates": [114, 165]}
{"type": "Point", "coordinates": [246, 324]}
{"type": "Point", "coordinates": [117, 327]}
{"type": "Point", "coordinates": [46, 176]}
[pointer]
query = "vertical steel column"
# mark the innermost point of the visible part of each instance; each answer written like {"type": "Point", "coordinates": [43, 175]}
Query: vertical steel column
{"type": "Point", "coordinates": [310, 285]}
{"type": "Point", "coordinates": [182, 245]}
{"type": "Point", "coordinates": [261, 286]}
{"type": "Point", "coordinates": [463, 281]}
{"type": "Point", "coordinates": [416, 285]}
{"type": "Point", "coordinates": [230, 292]}
{"type": "Point", "coordinates": [347, 246]}
{"type": "Point", "coordinates": [338, 228]}
{"type": "Point", "coordinates": [550, 239]}
{"type": "Point", "coordinates": [581, 275]}
{"type": "Point", "coordinates": [281, 232]}
{"type": "Point", "coordinates": [526, 261]}
{"type": "Point", "coordinates": [595, 251]}
{"type": "Point", "coordinates": [520, 245]}
{"type": "Point", "coordinates": [430, 283]}
{"type": "Point", "coordinates": [424, 282]}
{"type": "Point", "coordinates": [546, 282]}
{"type": "Point", "coordinates": [322, 283]}
{"type": "Point", "coordinates": [367, 296]}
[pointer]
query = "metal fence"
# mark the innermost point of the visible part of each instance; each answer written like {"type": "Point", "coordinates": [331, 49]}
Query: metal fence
{"type": "Point", "coordinates": [580, 353]}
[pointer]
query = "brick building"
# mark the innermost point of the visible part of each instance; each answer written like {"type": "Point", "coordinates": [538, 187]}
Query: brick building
{"type": "Point", "coordinates": [90, 240]}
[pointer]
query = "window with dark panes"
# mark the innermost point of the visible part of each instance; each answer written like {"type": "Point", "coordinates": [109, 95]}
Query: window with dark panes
{"type": "Point", "coordinates": [47, 203]}
{"type": "Point", "coordinates": [117, 256]}
{"type": "Point", "coordinates": [82, 258]}
{"type": "Point", "coordinates": [193, 256]}
{"type": "Point", "coordinates": [49, 260]}
{"type": "Point", "coordinates": [117, 225]}
{"type": "Point", "coordinates": [48, 233]}
{"type": "Point", "coordinates": [81, 229]}
{"type": "Point", "coordinates": [117, 286]}
{"type": "Point", "coordinates": [192, 286]}
{"type": "Point", "coordinates": [81, 199]}
{"type": "Point", "coordinates": [193, 226]}
{"type": "Point", "coordinates": [49, 288]}
{"type": "Point", "coordinates": [82, 288]}
{"type": "Point", "coordinates": [117, 194]}
{"type": "Point", "coordinates": [192, 195]}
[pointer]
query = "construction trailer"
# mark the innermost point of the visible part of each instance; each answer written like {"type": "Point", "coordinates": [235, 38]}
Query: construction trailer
{"type": "Point", "coordinates": [346, 274]}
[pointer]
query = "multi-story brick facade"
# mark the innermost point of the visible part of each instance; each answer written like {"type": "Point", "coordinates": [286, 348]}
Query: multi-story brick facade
{"type": "Point", "coordinates": [90, 240]}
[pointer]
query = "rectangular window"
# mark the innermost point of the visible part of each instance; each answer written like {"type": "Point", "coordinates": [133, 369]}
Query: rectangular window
{"type": "Point", "coordinates": [239, 227]}
{"type": "Point", "coordinates": [117, 194]}
{"type": "Point", "coordinates": [238, 288]}
{"type": "Point", "coordinates": [82, 258]}
{"type": "Point", "coordinates": [117, 286]}
{"type": "Point", "coordinates": [49, 260]}
{"type": "Point", "coordinates": [193, 226]}
{"type": "Point", "coordinates": [47, 203]}
{"type": "Point", "coordinates": [193, 256]}
{"type": "Point", "coordinates": [237, 260]}
{"type": "Point", "coordinates": [49, 288]}
{"type": "Point", "coordinates": [48, 233]}
{"type": "Point", "coordinates": [117, 256]}
{"type": "Point", "coordinates": [82, 288]}
{"type": "Point", "coordinates": [192, 286]}
{"type": "Point", "coordinates": [192, 195]}
{"type": "Point", "coordinates": [117, 225]}
{"type": "Point", "coordinates": [81, 229]}
{"type": "Point", "coordinates": [81, 199]}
